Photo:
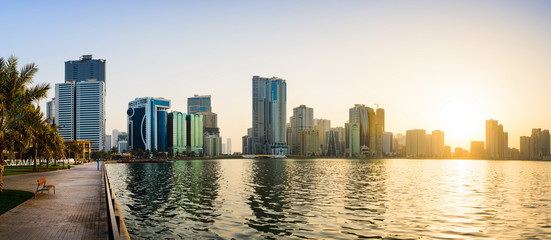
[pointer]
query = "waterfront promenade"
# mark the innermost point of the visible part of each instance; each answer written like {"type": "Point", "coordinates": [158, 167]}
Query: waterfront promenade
{"type": "Point", "coordinates": [75, 211]}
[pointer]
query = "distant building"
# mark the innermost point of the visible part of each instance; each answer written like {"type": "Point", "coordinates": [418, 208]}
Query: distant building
{"type": "Point", "coordinates": [416, 143]}
{"type": "Point", "coordinates": [50, 111]}
{"type": "Point", "coordinates": [108, 143]}
{"type": "Point", "coordinates": [147, 124]}
{"type": "Point", "coordinates": [332, 142]}
{"type": "Point", "coordinates": [247, 142]}
{"type": "Point", "coordinates": [302, 119]}
{"type": "Point", "coordinates": [194, 134]}
{"type": "Point", "coordinates": [437, 144]}
{"type": "Point", "coordinates": [123, 146]}
{"type": "Point", "coordinates": [387, 143]}
{"type": "Point", "coordinates": [371, 127]}
{"type": "Point", "coordinates": [198, 104]}
{"type": "Point", "coordinates": [269, 114]}
{"type": "Point", "coordinates": [228, 146]}
{"type": "Point", "coordinates": [525, 152]}
{"type": "Point", "coordinates": [460, 153]}
{"type": "Point", "coordinates": [353, 140]}
{"type": "Point", "coordinates": [477, 149]}
{"type": "Point", "coordinates": [496, 140]}
{"type": "Point", "coordinates": [177, 133]}
{"type": "Point", "coordinates": [310, 142]}
{"type": "Point", "coordinates": [213, 146]}
{"type": "Point", "coordinates": [323, 126]}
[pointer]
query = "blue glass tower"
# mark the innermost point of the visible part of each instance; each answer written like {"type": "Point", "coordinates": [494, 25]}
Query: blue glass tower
{"type": "Point", "coordinates": [147, 124]}
{"type": "Point", "coordinates": [269, 116]}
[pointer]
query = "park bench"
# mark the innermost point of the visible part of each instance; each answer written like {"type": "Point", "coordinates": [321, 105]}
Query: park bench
{"type": "Point", "coordinates": [41, 187]}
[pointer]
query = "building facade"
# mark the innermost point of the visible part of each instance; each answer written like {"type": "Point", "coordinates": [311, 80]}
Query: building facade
{"type": "Point", "coordinates": [194, 134]}
{"type": "Point", "coordinates": [302, 119]}
{"type": "Point", "coordinates": [199, 103]}
{"type": "Point", "coordinates": [50, 111]}
{"type": "Point", "coordinates": [416, 143]}
{"type": "Point", "coordinates": [177, 133]}
{"type": "Point", "coordinates": [147, 124]}
{"type": "Point", "coordinates": [269, 114]}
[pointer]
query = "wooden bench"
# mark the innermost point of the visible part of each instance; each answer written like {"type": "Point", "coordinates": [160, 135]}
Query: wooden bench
{"type": "Point", "coordinates": [41, 187]}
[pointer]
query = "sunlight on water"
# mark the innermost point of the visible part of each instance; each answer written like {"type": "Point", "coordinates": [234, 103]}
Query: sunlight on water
{"type": "Point", "coordinates": [335, 199]}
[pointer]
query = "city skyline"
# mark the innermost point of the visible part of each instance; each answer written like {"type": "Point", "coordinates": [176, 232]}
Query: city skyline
{"type": "Point", "coordinates": [442, 65]}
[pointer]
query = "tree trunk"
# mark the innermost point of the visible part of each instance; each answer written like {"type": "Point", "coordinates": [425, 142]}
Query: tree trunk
{"type": "Point", "coordinates": [35, 167]}
{"type": "Point", "coordinates": [1, 177]}
{"type": "Point", "coordinates": [1, 168]}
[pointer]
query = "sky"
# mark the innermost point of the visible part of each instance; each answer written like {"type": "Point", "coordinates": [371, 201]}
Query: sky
{"type": "Point", "coordinates": [434, 65]}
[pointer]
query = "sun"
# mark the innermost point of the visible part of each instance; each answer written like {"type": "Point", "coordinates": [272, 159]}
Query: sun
{"type": "Point", "coordinates": [461, 119]}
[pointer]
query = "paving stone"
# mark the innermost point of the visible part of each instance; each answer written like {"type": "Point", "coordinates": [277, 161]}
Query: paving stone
{"type": "Point", "coordinates": [75, 211]}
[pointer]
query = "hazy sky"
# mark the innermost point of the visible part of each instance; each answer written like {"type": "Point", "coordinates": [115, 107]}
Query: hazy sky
{"type": "Point", "coordinates": [447, 65]}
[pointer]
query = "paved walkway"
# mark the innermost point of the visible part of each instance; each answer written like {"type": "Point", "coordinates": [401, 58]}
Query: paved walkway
{"type": "Point", "coordinates": [75, 211]}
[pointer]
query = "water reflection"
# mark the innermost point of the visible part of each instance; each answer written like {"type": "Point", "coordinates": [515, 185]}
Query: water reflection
{"type": "Point", "coordinates": [335, 199]}
{"type": "Point", "coordinates": [267, 201]}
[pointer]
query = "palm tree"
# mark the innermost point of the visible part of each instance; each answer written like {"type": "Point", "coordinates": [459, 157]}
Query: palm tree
{"type": "Point", "coordinates": [15, 98]}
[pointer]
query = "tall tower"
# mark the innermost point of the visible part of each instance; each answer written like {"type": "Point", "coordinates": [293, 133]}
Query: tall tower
{"type": "Point", "coordinates": [269, 116]}
{"type": "Point", "coordinates": [492, 136]}
{"type": "Point", "coordinates": [80, 101]}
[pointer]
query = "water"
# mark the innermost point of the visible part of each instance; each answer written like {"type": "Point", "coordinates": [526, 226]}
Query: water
{"type": "Point", "coordinates": [335, 199]}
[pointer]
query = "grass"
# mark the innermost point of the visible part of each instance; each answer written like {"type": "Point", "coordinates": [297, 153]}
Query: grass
{"type": "Point", "coordinates": [11, 198]}
{"type": "Point", "coordinates": [16, 170]}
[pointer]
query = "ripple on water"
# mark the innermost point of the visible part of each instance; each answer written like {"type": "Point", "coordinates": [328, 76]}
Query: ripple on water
{"type": "Point", "coordinates": [335, 199]}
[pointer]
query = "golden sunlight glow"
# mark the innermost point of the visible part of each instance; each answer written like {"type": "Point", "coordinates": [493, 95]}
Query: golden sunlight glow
{"type": "Point", "coordinates": [461, 119]}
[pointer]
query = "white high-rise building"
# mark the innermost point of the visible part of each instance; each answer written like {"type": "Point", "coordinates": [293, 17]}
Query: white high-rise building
{"type": "Point", "coordinates": [90, 113]}
{"type": "Point", "coordinates": [65, 111]}
{"type": "Point", "coordinates": [80, 102]}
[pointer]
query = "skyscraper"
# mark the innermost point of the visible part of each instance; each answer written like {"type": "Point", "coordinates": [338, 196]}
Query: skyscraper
{"type": "Point", "coordinates": [437, 143]}
{"type": "Point", "coordinates": [302, 119]}
{"type": "Point", "coordinates": [194, 134]}
{"type": "Point", "coordinates": [371, 126]}
{"type": "Point", "coordinates": [492, 144]}
{"type": "Point", "coordinates": [387, 143]}
{"type": "Point", "coordinates": [269, 116]}
{"type": "Point", "coordinates": [147, 124]}
{"type": "Point", "coordinates": [416, 143]}
{"type": "Point", "coordinates": [177, 132]}
{"type": "Point", "coordinates": [323, 126]}
{"type": "Point", "coordinates": [80, 102]}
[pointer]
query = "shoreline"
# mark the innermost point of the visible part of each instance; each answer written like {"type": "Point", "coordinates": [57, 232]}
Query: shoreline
{"type": "Point", "coordinates": [144, 160]}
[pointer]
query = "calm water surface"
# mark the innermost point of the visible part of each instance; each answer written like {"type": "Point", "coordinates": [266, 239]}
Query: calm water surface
{"type": "Point", "coordinates": [335, 199]}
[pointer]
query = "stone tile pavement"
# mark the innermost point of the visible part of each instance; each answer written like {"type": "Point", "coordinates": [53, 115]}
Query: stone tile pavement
{"type": "Point", "coordinates": [75, 211]}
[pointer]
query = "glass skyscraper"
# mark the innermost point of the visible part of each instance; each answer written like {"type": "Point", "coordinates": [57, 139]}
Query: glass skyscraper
{"type": "Point", "coordinates": [80, 102]}
{"type": "Point", "coordinates": [85, 69]}
{"type": "Point", "coordinates": [269, 116]}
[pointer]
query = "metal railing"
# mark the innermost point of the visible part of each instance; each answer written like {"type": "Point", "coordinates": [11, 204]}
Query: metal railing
{"type": "Point", "coordinates": [115, 221]}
